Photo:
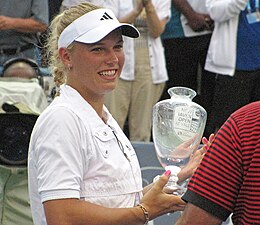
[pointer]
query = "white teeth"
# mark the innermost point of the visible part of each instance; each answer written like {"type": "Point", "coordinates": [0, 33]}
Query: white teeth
{"type": "Point", "coordinates": [108, 73]}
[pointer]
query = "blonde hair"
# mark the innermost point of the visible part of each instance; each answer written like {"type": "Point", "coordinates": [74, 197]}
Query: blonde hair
{"type": "Point", "coordinates": [58, 24]}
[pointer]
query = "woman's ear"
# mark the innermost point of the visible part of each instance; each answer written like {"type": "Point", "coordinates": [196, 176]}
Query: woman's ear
{"type": "Point", "coordinates": [65, 56]}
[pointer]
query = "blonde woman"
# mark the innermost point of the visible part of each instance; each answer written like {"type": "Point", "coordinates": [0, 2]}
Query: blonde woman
{"type": "Point", "coordinates": [82, 168]}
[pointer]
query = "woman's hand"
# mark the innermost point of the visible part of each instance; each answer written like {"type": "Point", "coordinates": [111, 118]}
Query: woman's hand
{"type": "Point", "coordinates": [157, 202]}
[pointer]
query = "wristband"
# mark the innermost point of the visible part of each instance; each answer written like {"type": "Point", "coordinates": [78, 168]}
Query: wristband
{"type": "Point", "coordinates": [146, 214]}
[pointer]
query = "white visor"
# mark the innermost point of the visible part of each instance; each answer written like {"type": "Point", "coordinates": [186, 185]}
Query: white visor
{"type": "Point", "coordinates": [93, 26]}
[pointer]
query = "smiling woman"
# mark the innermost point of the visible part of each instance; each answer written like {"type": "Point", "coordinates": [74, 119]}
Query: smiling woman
{"type": "Point", "coordinates": [79, 31]}
{"type": "Point", "coordinates": [96, 67]}
{"type": "Point", "coordinates": [82, 168]}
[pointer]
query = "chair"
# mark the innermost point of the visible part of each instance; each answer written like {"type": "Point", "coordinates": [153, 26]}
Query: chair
{"type": "Point", "coordinates": [150, 167]}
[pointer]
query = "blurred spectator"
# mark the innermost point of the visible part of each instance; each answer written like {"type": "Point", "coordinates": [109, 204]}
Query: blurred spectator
{"type": "Point", "coordinates": [186, 39]}
{"type": "Point", "coordinates": [20, 24]}
{"type": "Point", "coordinates": [234, 54]}
{"type": "Point", "coordinates": [20, 67]}
{"type": "Point", "coordinates": [144, 74]}
{"type": "Point", "coordinates": [21, 87]}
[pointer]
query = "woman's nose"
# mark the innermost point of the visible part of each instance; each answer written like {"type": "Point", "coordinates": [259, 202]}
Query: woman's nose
{"type": "Point", "coordinates": [112, 57]}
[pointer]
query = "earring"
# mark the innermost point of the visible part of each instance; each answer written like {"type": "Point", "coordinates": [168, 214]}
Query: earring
{"type": "Point", "coordinates": [69, 66]}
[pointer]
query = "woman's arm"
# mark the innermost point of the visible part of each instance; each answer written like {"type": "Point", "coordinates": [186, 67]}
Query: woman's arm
{"type": "Point", "coordinates": [75, 211]}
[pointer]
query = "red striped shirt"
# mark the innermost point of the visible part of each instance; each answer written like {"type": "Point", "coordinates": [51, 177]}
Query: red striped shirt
{"type": "Point", "coordinates": [228, 179]}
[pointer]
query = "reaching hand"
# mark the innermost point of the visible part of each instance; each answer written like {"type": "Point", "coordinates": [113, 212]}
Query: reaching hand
{"type": "Point", "coordinates": [186, 148]}
{"type": "Point", "coordinates": [206, 141]}
{"type": "Point", "coordinates": [195, 159]}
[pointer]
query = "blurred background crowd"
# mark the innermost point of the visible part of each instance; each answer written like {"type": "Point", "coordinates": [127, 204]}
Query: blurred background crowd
{"type": "Point", "coordinates": [180, 45]}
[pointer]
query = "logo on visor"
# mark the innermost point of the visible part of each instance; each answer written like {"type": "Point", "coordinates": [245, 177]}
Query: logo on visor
{"type": "Point", "coordinates": [106, 17]}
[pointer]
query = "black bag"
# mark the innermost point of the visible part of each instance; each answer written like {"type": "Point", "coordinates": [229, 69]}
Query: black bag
{"type": "Point", "coordinates": [15, 132]}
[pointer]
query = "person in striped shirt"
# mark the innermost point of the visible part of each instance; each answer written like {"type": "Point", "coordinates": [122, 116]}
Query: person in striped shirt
{"type": "Point", "coordinates": [228, 178]}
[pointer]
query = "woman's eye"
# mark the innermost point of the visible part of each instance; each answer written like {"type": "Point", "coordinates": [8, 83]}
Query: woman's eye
{"type": "Point", "coordinates": [96, 49]}
{"type": "Point", "coordinates": [119, 46]}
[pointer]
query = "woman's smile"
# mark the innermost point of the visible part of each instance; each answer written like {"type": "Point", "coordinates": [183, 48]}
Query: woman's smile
{"type": "Point", "coordinates": [108, 74]}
